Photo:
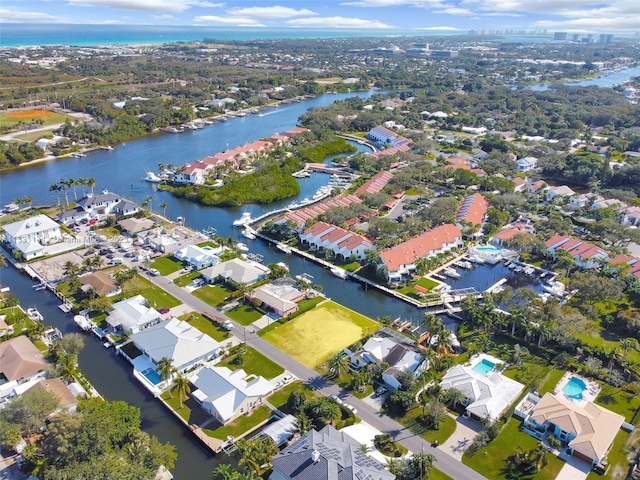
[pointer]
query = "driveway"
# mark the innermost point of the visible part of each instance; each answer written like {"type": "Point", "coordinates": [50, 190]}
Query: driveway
{"type": "Point", "coordinates": [460, 440]}
{"type": "Point", "coordinates": [573, 469]}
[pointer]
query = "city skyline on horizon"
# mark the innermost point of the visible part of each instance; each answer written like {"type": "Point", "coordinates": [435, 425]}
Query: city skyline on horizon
{"type": "Point", "coordinates": [411, 16]}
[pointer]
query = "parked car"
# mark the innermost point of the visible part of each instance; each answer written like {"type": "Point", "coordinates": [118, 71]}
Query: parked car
{"type": "Point", "coordinates": [351, 407]}
{"type": "Point", "coordinates": [154, 272]}
{"type": "Point", "coordinates": [227, 325]}
{"type": "Point", "coordinates": [164, 310]}
{"type": "Point", "coordinates": [336, 398]}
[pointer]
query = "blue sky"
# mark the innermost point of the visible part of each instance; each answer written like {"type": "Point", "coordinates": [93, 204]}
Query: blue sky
{"type": "Point", "coordinates": [412, 16]}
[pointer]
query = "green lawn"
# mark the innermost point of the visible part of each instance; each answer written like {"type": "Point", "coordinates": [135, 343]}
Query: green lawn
{"type": "Point", "coordinates": [240, 425]}
{"type": "Point", "coordinates": [254, 363]}
{"type": "Point", "coordinates": [205, 326]}
{"type": "Point", "coordinates": [491, 461]}
{"type": "Point", "coordinates": [184, 280]}
{"type": "Point", "coordinates": [552, 379]}
{"type": "Point", "coordinates": [617, 458]}
{"type": "Point", "coordinates": [436, 474]}
{"type": "Point", "coordinates": [619, 401]}
{"type": "Point", "coordinates": [447, 427]}
{"type": "Point", "coordinates": [214, 295]}
{"type": "Point", "coordinates": [280, 397]}
{"type": "Point", "coordinates": [190, 412]}
{"type": "Point", "coordinates": [166, 265]}
{"type": "Point", "coordinates": [316, 335]}
{"type": "Point", "coordinates": [244, 314]}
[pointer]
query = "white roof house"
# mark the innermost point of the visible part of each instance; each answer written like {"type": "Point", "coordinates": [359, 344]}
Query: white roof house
{"type": "Point", "coordinates": [227, 394]}
{"type": "Point", "coordinates": [527, 163]}
{"type": "Point", "coordinates": [30, 235]}
{"type": "Point", "coordinates": [561, 191]}
{"type": "Point", "coordinates": [236, 270]}
{"type": "Point", "coordinates": [99, 203]}
{"type": "Point", "coordinates": [488, 396]}
{"type": "Point", "coordinates": [177, 340]}
{"type": "Point", "coordinates": [197, 256]}
{"type": "Point", "coordinates": [132, 315]}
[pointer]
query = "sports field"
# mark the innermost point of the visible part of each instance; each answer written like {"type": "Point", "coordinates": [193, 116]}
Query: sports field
{"type": "Point", "coordinates": [28, 116]}
{"type": "Point", "coordinates": [314, 336]}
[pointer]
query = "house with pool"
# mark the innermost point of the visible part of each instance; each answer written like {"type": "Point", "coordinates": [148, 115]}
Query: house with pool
{"type": "Point", "coordinates": [488, 393]}
{"type": "Point", "coordinates": [199, 257]}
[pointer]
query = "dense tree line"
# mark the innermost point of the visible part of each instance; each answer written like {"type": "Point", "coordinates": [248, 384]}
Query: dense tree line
{"type": "Point", "coordinates": [13, 154]}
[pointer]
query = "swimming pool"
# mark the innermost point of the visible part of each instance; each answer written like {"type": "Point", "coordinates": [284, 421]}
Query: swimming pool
{"type": "Point", "coordinates": [483, 367]}
{"type": "Point", "coordinates": [207, 248]}
{"type": "Point", "coordinates": [152, 376]}
{"type": "Point", "coordinates": [489, 250]}
{"type": "Point", "coordinates": [574, 388]}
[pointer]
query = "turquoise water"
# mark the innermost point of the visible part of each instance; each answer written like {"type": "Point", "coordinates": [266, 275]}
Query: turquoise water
{"type": "Point", "coordinates": [207, 248]}
{"type": "Point", "coordinates": [574, 388]}
{"type": "Point", "coordinates": [483, 367]}
{"type": "Point", "coordinates": [152, 376]}
{"type": "Point", "coordinates": [491, 250]}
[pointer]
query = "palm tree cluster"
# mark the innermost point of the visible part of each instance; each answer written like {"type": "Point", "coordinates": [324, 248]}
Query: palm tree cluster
{"type": "Point", "coordinates": [528, 462]}
{"type": "Point", "coordinates": [64, 185]}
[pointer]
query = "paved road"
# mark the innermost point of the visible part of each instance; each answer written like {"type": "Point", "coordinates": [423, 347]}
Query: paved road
{"type": "Point", "coordinates": [400, 433]}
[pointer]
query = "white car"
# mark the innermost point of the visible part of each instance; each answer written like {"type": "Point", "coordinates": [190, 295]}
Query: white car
{"type": "Point", "coordinates": [154, 272]}
{"type": "Point", "coordinates": [227, 325]}
{"type": "Point", "coordinates": [336, 398]}
{"type": "Point", "coordinates": [351, 407]}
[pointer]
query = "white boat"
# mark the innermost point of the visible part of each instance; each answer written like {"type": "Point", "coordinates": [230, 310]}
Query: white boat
{"type": "Point", "coordinates": [450, 272]}
{"type": "Point", "coordinates": [152, 177]}
{"type": "Point", "coordinates": [82, 322]}
{"type": "Point", "coordinates": [339, 272]}
{"type": "Point", "coordinates": [108, 147]}
{"type": "Point", "coordinates": [242, 247]}
{"type": "Point", "coordinates": [476, 259]}
{"type": "Point", "coordinates": [249, 233]}
{"type": "Point", "coordinates": [34, 314]}
{"type": "Point", "coordinates": [465, 264]}
{"type": "Point", "coordinates": [11, 208]}
{"type": "Point", "coordinates": [283, 247]}
{"type": "Point", "coordinates": [78, 155]}
{"type": "Point", "coordinates": [39, 287]}
{"type": "Point", "coordinates": [555, 288]}
{"type": "Point", "coordinates": [529, 270]}
{"type": "Point", "coordinates": [245, 219]}
{"type": "Point", "coordinates": [305, 277]}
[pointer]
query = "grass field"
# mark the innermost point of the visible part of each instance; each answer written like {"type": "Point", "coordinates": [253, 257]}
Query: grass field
{"type": "Point", "coordinates": [166, 265]}
{"type": "Point", "coordinates": [316, 335]}
{"type": "Point", "coordinates": [254, 364]}
{"type": "Point", "coordinates": [28, 116]}
{"type": "Point", "coordinates": [244, 314]}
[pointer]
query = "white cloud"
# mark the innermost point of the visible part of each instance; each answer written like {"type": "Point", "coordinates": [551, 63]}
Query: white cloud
{"type": "Point", "coordinates": [390, 3]}
{"type": "Point", "coordinates": [104, 22]}
{"type": "Point", "coordinates": [174, 6]}
{"type": "Point", "coordinates": [236, 21]}
{"type": "Point", "coordinates": [443, 28]}
{"type": "Point", "coordinates": [271, 12]}
{"type": "Point", "coordinates": [454, 11]}
{"type": "Point", "coordinates": [163, 17]}
{"type": "Point", "coordinates": [338, 22]}
{"type": "Point", "coordinates": [13, 16]}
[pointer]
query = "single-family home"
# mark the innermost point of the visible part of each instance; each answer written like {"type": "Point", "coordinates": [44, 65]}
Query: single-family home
{"type": "Point", "coordinates": [73, 215]}
{"type": "Point", "coordinates": [194, 173]}
{"type": "Point", "coordinates": [184, 345]}
{"type": "Point", "coordinates": [527, 164]}
{"type": "Point", "coordinates": [488, 393]}
{"type": "Point", "coordinates": [99, 203]}
{"type": "Point", "coordinates": [583, 200]}
{"type": "Point", "coordinates": [20, 360]}
{"type": "Point", "coordinates": [536, 187]}
{"type": "Point", "coordinates": [520, 184]}
{"type": "Point", "coordinates": [587, 430]}
{"type": "Point", "coordinates": [236, 270]}
{"type": "Point", "coordinates": [341, 242]}
{"type": "Point", "coordinates": [198, 257]}
{"type": "Point", "coordinates": [226, 394]}
{"type": "Point", "coordinates": [504, 236]}
{"type": "Point", "coordinates": [326, 455]}
{"type": "Point", "coordinates": [399, 261]}
{"type": "Point", "coordinates": [629, 216]}
{"type": "Point", "coordinates": [561, 192]}
{"type": "Point", "coordinates": [280, 296]}
{"type": "Point", "coordinates": [136, 225]}
{"type": "Point", "coordinates": [133, 315]}
{"type": "Point", "coordinates": [66, 399]}
{"type": "Point", "coordinates": [100, 283]}
{"type": "Point", "coordinates": [613, 203]}
{"type": "Point", "coordinates": [586, 255]}
{"type": "Point", "coordinates": [31, 235]}
{"type": "Point", "coordinates": [125, 207]}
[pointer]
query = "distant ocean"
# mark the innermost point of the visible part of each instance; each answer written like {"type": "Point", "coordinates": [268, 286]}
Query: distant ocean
{"type": "Point", "coordinates": [19, 35]}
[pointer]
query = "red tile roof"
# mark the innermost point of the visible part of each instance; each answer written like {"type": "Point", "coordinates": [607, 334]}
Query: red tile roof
{"type": "Point", "coordinates": [375, 183]}
{"type": "Point", "coordinates": [575, 247]}
{"type": "Point", "coordinates": [473, 209]}
{"type": "Point", "coordinates": [301, 216]}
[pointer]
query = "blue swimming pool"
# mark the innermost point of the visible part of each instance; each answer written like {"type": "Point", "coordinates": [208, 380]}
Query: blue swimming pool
{"type": "Point", "coordinates": [483, 367]}
{"type": "Point", "coordinates": [207, 248]}
{"type": "Point", "coordinates": [152, 376]}
{"type": "Point", "coordinates": [489, 250]}
{"type": "Point", "coordinates": [574, 388]}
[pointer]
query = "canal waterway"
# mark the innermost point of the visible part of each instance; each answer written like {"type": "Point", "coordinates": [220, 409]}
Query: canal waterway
{"type": "Point", "coordinates": [607, 79]}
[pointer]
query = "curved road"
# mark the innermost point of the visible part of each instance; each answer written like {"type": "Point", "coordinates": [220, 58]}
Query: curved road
{"type": "Point", "coordinates": [444, 462]}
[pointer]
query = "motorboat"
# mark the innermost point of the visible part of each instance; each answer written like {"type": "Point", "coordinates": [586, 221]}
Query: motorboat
{"type": "Point", "coordinates": [152, 177]}
{"type": "Point", "coordinates": [34, 314]}
{"type": "Point", "coordinates": [242, 247]}
{"type": "Point", "coordinates": [249, 233]}
{"type": "Point", "coordinates": [555, 288]}
{"type": "Point", "coordinates": [83, 322]}
{"type": "Point", "coordinates": [11, 208]}
{"type": "Point", "coordinates": [529, 270]}
{"type": "Point", "coordinates": [476, 259]}
{"type": "Point", "coordinates": [245, 219]}
{"type": "Point", "coordinates": [465, 264]}
{"type": "Point", "coordinates": [305, 277]}
{"type": "Point", "coordinates": [284, 248]}
{"type": "Point", "coordinates": [40, 286]}
{"type": "Point", "coordinates": [451, 272]}
{"type": "Point", "coordinates": [339, 272]}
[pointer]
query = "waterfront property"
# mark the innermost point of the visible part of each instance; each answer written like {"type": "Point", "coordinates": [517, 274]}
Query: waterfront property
{"type": "Point", "coordinates": [30, 236]}
{"type": "Point", "coordinates": [588, 430]}
{"type": "Point", "coordinates": [236, 270]}
{"type": "Point", "coordinates": [488, 393]}
{"type": "Point", "coordinates": [226, 394]}
{"type": "Point", "coordinates": [586, 255]}
{"type": "Point", "coordinates": [198, 257]}
{"type": "Point", "coordinates": [100, 283]}
{"type": "Point", "coordinates": [99, 204]}
{"type": "Point", "coordinates": [133, 315]}
{"type": "Point", "coordinates": [473, 210]}
{"type": "Point", "coordinates": [384, 137]}
{"type": "Point", "coordinates": [280, 296]}
{"type": "Point", "coordinates": [346, 244]}
{"type": "Point", "coordinates": [320, 455]}
{"type": "Point", "coordinates": [20, 360]}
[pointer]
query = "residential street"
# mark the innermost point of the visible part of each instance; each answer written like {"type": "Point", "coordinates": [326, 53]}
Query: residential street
{"type": "Point", "coordinates": [403, 435]}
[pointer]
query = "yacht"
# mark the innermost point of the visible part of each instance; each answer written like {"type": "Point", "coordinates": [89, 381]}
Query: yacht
{"type": "Point", "coordinates": [450, 272]}
{"type": "Point", "coordinates": [249, 233]}
{"type": "Point", "coordinates": [152, 177]}
{"type": "Point", "coordinates": [78, 155]}
{"type": "Point", "coordinates": [242, 247]}
{"type": "Point", "coordinates": [34, 314]}
{"type": "Point", "coordinates": [40, 286]}
{"type": "Point", "coordinates": [11, 208]}
{"type": "Point", "coordinates": [83, 322]}
{"type": "Point", "coordinates": [465, 264]}
{"type": "Point", "coordinates": [476, 259]}
{"type": "Point", "coordinates": [245, 219]}
{"type": "Point", "coordinates": [305, 277]}
{"type": "Point", "coordinates": [339, 272]}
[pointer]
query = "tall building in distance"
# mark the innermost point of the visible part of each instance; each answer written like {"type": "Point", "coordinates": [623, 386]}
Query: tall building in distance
{"type": "Point", "coordinates": [605, 38]}
{"type": "Point", "coordinates": [560, 36]}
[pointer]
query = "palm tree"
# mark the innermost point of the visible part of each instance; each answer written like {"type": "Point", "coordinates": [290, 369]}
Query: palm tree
{"type": "Point", "coordinates": [164, 206]}
{"type": "Point", "coordinates": [224, 471]}
{"type": "Point", "coordinates": [538, 457]}
{"type": "Point", "coordinates": [303, 424]}
{"type": "Point", "coordinates": [64, 185]}
{"type": "Point", "coordinates": [182, 386]}
{"type": "Point", "coordinates": [70, 268]}
{"type": "Point", "coordinates": [54, 187]}
{"type": "Point", "coordinates": [3, 260]}
{"type": "Point", "coordinates": [517, 319]}
{"type": "Point", "coordinates": [165, 368]}
{"type": "Point", "coordinates": [325, 410]}
{"type": "Point", "coordinates": [338, 364]}
{"type": "Point", "coordinates": [91, 182]}
{"type": "Point", "coordinates": [518, 353]}
{"type": "Point", "coordinates": [73, 183]}
{"type": "Point", "coordinates": [146, 202]}
{"type": "Point", "coordinates": [454, 397]}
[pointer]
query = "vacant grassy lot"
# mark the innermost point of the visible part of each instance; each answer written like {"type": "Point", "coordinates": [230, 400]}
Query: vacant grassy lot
{"type": "Point", "coordinates": [166, 265]}
{"type": "Point", "coordinates": [244, 314]}
{"type": "Point", "coordinates": [254, 363]}
{"type": "Point", "coordinates": [29, 116]}
{"type": "Point", "coordinates": [206, 326]}
{"type": "Point", "coordinates": [492, 461]}
{"type": "Point", "coordinates": [316, 335]}
{"type": "Point", "coordinates": [214, 295]}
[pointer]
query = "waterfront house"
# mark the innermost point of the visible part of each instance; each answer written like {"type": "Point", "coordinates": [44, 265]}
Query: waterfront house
{"type": "Point", "coordinates": [341, 242]}
{"type": "Point", "coordinates": [587, 430]}
{"type": "Point", "coordinates": [184, 345]}
{"type": "Point", "coordinates": [473, 209]}
{"type": "Point", "coordinates": [31, 235]}
{"type": "Point", "coordinates": [374, 184]}
{"type": "Point", "coordinates": [301, 216]}
{"type": "Point", "coordinates": [237, 270]}
{"type": "Point", "coordinates": [193, 174]}
{"type": "Point", "coordinates": [488, 393]}
{"type": "Point", "coordinates": [386, 138]}
{"type": "Point", "coordinates": [125, 207]}
{"type": "Point", "coordinates": [20, 360]}
{"type": "Point", "coordinates": [136, 225]}
{"type": "Point", "coordinates": [73, 215]}
{"type": "Point", "coordinates": [100, 283]}
{"type": "Point", "coordinates": [133, 315]}
{"type": "Point", "coordinates": [399, 261]}
{"type": "Point", "coordinates": [326, 455]}
{"type": "Point", "coordinates": [100, 203]}
{"type": "Point", "coordinates": [280, 296]}
{"type": "Point", "coordinates": [585, 254]}
{"type": "Point", "coordinates": [508, 233]}
{"type": "Point", "coordinates": [582, 200]}
{"type": "Point", "coordinates": [561, 192]}
{"type": "Point", "coordinates": [536, 187]}
{"type": "Point", "coordinates": [66, 399]}
{"type": "Point", "coordinates": [612, 203]}
{"type": "Point", "coordinates": [226, 394]}
{"type": "Point", "coordinates": [198, 257]}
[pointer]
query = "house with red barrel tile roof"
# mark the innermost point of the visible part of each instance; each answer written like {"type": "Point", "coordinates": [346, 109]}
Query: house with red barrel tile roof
{"type": "Point", "coordinates": [473, 209]}
{"type": "Point", "coordinates": [300, 217]}
{"type": "Point", "coordinates": [586, 255]}
{"type": "Point", "coordinates": [510, 231]}
{"type": "Point", "coordinates": [375, 184]}
{"type": "Point", "coordinates": [342, 242]}
{"type": "Point", "coordinates": [633, 262]}
{"type": "Point", "coordinates": [399, 261]}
